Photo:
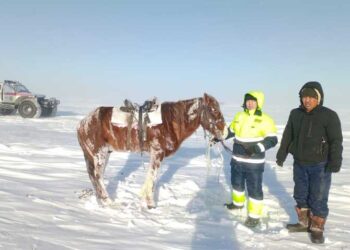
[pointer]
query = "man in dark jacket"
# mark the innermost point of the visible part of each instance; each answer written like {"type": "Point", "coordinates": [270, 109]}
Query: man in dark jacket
{"type": "Point", "coordinates": [313, 136]}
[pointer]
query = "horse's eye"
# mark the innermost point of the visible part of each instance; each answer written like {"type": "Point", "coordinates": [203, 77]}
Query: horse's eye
{"type": "Point", "coordinates": [214, 111]}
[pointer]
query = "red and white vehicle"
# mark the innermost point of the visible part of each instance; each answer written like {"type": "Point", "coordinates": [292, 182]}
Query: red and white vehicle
{"type": "Point", "coordinates": [15, 96]}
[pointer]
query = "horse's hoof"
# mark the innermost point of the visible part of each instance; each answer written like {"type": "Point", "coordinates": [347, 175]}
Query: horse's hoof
{"type": "Point", "coordinates": [106, 202]}
{"type": "Point", "coordinates": [113, 205]}
{"type": "Point", "coordinates": [151, 206]}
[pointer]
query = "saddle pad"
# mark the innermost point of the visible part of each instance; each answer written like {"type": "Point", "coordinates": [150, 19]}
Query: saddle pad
{"type": "Point", "coordinates": [155, 116]}
{"type": "Point", "coordinates": [120, 118]}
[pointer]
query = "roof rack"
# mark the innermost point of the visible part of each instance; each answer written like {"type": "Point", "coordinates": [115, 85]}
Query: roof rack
{"type": "Point", "coordinates": [11, 81]}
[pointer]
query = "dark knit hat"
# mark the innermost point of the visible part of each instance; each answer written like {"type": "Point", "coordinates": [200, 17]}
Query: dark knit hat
{"type": "Point", "coordinates": [309, 92]}
{"type": "Point", "coordinates": [249, 97]}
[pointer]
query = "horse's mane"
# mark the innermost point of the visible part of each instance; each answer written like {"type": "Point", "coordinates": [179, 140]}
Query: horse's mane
{"type": "Point", "coordinates": [174, 110]}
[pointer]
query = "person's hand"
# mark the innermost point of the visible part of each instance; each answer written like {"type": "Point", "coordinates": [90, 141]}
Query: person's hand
{"type": "Point", "coordinates": [213, 141]}
{"type": "Point", "coordinates": [279, 163]}
{"type": "Point", "coordinates": [333, 167]}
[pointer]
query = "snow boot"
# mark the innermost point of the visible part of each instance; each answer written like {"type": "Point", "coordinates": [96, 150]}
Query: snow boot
{"type": "Point", "coordinates": [251, 222]}
{"type": "Point", "coordinates": [316, 229]}
{"type": "Point", "coordinates": [304, 221]}
{"type": "Point", "coordinates": [232, 206]}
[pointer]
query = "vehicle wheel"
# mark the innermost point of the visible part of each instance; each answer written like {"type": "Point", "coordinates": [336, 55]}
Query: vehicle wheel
{"type": "Point", "coordinates": [28, 109]}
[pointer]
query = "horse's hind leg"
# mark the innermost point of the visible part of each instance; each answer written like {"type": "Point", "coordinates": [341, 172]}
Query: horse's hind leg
{"type": "Point", "coordinates": [95, 168]}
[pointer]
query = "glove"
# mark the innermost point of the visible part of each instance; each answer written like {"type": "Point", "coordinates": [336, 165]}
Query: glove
{"type": "Point", "coordinates": [279, 163]}
{"type": "Point", "coordinates": [213, 141]}
{"type": "Point", "coordinates": [333, 167]}
{"type": "Point", "coordinates": [254, 149]}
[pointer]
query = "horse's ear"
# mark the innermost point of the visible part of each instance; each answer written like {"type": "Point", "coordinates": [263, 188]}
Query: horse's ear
{"type": "Point", "coordinates": [206, 98]}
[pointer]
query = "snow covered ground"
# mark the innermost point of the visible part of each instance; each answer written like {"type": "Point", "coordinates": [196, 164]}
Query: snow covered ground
{"type": "Point", "coordinates": [46, 201]}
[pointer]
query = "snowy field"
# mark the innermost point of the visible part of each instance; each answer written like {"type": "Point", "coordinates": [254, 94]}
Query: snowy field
{"type": "Point", "coordinates": [46, 200]}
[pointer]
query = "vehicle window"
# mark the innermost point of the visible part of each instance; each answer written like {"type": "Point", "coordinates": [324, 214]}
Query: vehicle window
{"type": "Point", "coordinates": [8, 89]}
{"type": "Point", "coordinates": [21, 88]}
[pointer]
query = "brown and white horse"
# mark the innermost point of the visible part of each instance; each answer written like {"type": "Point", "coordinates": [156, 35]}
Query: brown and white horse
{"type": "Point", "coordinates": [98, 138]}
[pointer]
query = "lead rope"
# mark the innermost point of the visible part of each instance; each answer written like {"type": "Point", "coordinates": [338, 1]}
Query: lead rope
{"type": "Point", "coordinates": [221, 166]}
{"type": "Point", "coordinates": [207, 153]}
{"type": "Point", "coordinates": [208, 156]}
{"type": "Point", "coordinates": [226, 147]}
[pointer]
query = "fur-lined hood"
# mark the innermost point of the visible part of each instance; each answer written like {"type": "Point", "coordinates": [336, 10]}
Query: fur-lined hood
{"type": "Point", "coordinates": [314, 85]}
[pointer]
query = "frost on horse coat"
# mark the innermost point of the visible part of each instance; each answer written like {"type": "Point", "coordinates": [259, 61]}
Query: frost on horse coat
{"type": "Point", "coordinates": [98, 138]}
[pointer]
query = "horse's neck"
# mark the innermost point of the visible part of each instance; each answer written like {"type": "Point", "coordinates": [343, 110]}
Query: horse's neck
{"type": "Point", "coordinates": [190, 116]}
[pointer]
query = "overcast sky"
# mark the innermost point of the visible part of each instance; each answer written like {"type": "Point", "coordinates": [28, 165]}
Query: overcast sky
{"type": "Point", "coordinates": [111, 50]}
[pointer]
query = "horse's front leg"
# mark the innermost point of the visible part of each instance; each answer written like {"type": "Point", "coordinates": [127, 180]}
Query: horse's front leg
{"type": "Point", "coordinates": [147, 191]}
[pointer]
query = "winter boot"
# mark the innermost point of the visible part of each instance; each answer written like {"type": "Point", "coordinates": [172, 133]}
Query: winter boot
{"type": "Point", "coordinates": [251, 222]}
{"type": "Point", "coordinates": [304, 221]}
{"type": "Point", "coordinates": [316, 229]}
{"type": "Point", "coordinates": [232, 206]}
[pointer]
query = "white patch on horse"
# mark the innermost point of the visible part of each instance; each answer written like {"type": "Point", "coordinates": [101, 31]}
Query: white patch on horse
{"type": "Point", "coordinates": [101, 156]}
{"type": "Point", "coordinates": [90, 144]}
{"type": "Point", "coordinates": [111, 131]}
{"type": "Point", "coordinates": [147, 190]}
{"type": "Point", "coordinates": [169, 143]}
{"type": "Point", "coordinates": [192, 112]}
{"type": "Point", "coordinates": [86, 122]}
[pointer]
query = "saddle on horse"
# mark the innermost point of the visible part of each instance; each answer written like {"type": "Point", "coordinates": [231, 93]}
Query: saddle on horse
{"type": "Point", "coordinates": [142, 115]}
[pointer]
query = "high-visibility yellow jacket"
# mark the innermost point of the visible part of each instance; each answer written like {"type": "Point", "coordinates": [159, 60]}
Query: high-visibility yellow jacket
{"type": "Point", "coordinates": [254, 132]}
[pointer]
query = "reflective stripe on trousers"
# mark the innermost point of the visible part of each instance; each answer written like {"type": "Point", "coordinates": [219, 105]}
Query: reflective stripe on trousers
{"type": "Point", "coordinates": [255, 208]}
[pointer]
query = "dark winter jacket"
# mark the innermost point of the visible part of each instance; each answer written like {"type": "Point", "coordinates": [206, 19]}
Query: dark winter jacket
{"type": "Point", "coordinates": [313, 137]}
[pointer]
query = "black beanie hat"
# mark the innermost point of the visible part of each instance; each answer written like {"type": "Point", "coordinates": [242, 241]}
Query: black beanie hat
{"type": "Point", "coordinates": [309, 92]}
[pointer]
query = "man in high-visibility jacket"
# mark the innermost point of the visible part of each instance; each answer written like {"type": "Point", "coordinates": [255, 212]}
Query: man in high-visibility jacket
{"type": "Point", "coordinates": [254, 132]}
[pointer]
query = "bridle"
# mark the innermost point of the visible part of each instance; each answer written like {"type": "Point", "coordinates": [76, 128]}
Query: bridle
{"type": "Point", "coordinates": [208, 119]}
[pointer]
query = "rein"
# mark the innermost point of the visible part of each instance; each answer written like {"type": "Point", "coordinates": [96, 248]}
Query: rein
{"type": "Point", "coordinates": [226, 147]}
